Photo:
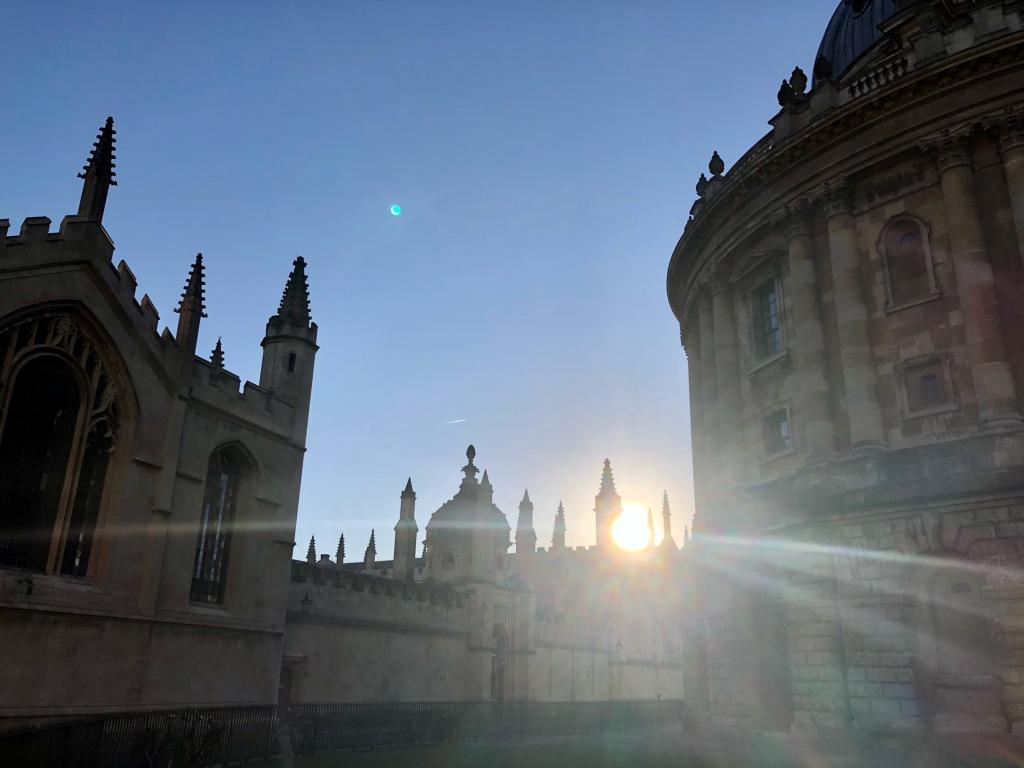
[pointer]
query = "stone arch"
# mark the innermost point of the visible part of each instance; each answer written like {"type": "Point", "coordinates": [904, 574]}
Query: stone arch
{"type": "Point", "coordinates": [904, 246]}
{"type": "Point", "coordinates": [47, 342]}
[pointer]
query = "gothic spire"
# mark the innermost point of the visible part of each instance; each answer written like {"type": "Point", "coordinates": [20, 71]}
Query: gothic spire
{"type": "Point", "coordinates": [666, 523]}
{"type": "Point", "coordinates": [311, 552]}
{"type": "Point", "coordinates": [408, 490]}
{"type": "Point", "coordinates": [217, 356]}
{"type": "Point", "coordinates": [558, 536]}
{"type": "Point", "coordinates": [99, 174]}
{"type": "Point", "coordinates": [193, 295]}
{"type": "Point", "coordinates": [372, 546]}
{"type": "Point", "coordinates": [340, 555]}
{"type": "Point", "coordinates": [525, 512]}
{"type": "Point", "coordinates": [294, 307]}
{"type": "Point", "coordinates": [607, 481]}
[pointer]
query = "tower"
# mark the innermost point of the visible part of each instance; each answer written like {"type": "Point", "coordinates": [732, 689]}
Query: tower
{"type": "Point", "coordinates": [191, 310]}
{"type": "Point", "coordinates": [526, 537]}
{"type": "Point", "coordinates": [98, 174]}
{"type": "Point", "coordinates": [289, 348]}
{"type": "Point", "coordinates": [607, 508]}
{"type": "Point", "coordinates": [405, 536]}
{"type": "Point", "coordinates": [558, 533]}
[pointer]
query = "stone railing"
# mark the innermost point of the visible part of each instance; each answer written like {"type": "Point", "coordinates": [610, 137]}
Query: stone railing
{"type": "Point", "coordinates": [882, 75]}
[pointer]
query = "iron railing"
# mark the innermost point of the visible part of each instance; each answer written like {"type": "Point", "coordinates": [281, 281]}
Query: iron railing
{"type": "Point", "coordinates": [199, 738]}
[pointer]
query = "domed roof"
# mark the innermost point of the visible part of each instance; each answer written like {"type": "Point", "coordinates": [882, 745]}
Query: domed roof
{"type": "Point", "coordinates": [473, 506]}
{"type": "Point", "coordinates": [851, 32]}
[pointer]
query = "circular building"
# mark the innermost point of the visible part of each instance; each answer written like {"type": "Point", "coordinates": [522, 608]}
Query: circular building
{"type": "Point", "coordinates": [850, 297]}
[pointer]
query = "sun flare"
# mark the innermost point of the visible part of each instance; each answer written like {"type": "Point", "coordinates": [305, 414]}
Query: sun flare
{"type": "Point", "coordinates": [630, 528]}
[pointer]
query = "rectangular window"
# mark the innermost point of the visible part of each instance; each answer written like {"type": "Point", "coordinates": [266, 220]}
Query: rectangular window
{"type": "Point", "coordinates": [776, 435]}
{"type": "Point", "coordinates": [926, 387]}
{"type": "Point", "coordinates": [291, 362]}
{"type": "Point", "coordinates": [767, 322]}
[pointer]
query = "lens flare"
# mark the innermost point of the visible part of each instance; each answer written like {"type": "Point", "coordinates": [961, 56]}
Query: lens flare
{"type": "Point", "coordinates": [630, 530]}
{"type": "Point", "coordinates": [396, 209]}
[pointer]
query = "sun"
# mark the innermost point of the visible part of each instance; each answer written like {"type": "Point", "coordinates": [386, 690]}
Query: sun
{"type": "Point", "coordinates": [630, 528]}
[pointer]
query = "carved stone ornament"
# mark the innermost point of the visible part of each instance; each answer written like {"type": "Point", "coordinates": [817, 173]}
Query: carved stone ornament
{"type": "Point", "coordinates": [60, 331]}
{"type": "Point", "coordinates": [891, 186]}
{"type": "Point", "coordinates": [796, 218]}
{"type": "Point", "coordinates": [837, 198]}
{"type": "Point", "coordinates": [952, 147]}
{"type": "Point", "coordinates": [1008, 129]}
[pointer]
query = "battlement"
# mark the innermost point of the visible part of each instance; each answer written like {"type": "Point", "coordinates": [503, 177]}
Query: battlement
{"type": "Point", "coordinates": [360, 582]}
{"type": "Point", "coordinates": [223, 389]}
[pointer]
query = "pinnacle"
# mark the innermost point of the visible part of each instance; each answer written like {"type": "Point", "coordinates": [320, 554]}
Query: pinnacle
{"type": "Point", "coordinates": [485, 480]}
{"type": "Point", "coordinates": [607, 480]}
{"type": "Point", "coordinates": [193, 297]}
{"type": "Point", "coordinates": [408, 487]}
{"type": "Point", "coordinates": [664, 504]}
{"type": "Point", "coordinates": [372, 546]}
{"type": "Point", "coordinates": [217, 356]}
{"type": "Point", "coordinates": [311, 552]}
{"type": "Point", "coordinates": [101, 158]}
{"type": "Point", "coordinates": [340, 555]}
{"type": "Point", "coordinates": [526, 498]}
{"type": "Point", "coordinates": [294, 306]}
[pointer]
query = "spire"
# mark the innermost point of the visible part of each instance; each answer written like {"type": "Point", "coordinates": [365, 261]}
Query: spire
{"type": "Point", "coordinates": [339, 556]}
{"type": "Point", "coordinates": [372, 546]}
{"type": "Point", "coordinates": [558, 536]}
{"type": "Point", "coordinates": [191, 308]}
{"type": "Point", "coordinates": [408, 490]}
{"type": "Point", "coordinates": [217, 356]}
{"type": "Point", "coordinates": [99, 174]}
{"type": "Point", "coordinates": [607, 481]}
{"type": "Point", "coordinates": [294, 306]}
{"type": "Point", "coordinates": [666, 524]}
{"type": "Point", "coordinates": [650, 528]}
{"type": "Point", "coordinates": [370, 556]}
{"type": "Point", "coordinates": [526, 537]}
{"type": "Point", "coordinates": [311, 552]}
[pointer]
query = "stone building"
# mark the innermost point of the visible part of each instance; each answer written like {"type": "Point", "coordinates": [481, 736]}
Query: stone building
{"type": "Point", "coordinates": [850, 297]}
{"type": "Point", "coordinates": [468, 620]}
{"type": "Point", "coordinates": [147, 497]}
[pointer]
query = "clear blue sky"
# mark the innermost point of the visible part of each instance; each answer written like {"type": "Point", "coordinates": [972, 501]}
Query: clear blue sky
{"type": "Point", "coordinates": [544, 153]}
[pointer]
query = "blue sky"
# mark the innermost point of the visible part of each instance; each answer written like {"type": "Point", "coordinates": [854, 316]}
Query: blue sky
{"type": "Point", "coordinates": [544, 154]}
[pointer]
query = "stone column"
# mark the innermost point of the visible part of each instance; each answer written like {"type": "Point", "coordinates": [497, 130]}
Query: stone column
{"type": "Point", "coordinates": [690, 336]}
{"type": "Point", "coordinates": [808, 348]}
{"type": "Point", "coordinates": [975, 284]}
{"type": "Point", "coordinates": [860, 378]}
{"type": "Point", "coordinates": [1011, 148]}
{"type": "Point", "coordinates": [727, 378]}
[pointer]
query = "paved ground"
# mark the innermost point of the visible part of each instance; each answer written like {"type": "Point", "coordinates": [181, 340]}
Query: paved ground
{"type": "Point", "coordinates": [658, 748]}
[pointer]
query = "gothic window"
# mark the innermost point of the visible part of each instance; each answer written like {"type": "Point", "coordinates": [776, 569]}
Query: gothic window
{"type": "Point", "coordinates": [776, 434]}
{"type": "Point", "coordinates": [58, 424]}
{"type": "Point", "coordinates": [216, 523]}
{"type": "Point", "coordinates": [499, 658]}
{"type": "Point", "coordinates": [767, 319]}
{"type": "Point", "coordinates": [907, 259]}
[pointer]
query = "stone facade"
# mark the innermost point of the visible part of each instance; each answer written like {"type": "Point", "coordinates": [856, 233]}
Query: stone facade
{"type": "Point", "coordinates": [147, 498]}
{"type": "Point", "coordinates": [471, 621]}
{"type": "Point", "coordinates": [850, 296]}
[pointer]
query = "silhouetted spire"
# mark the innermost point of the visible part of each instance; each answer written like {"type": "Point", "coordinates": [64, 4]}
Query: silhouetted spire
{"type": "Point", "coordinates": [526, 537]}
{"type": "Point", "coordinates": [558, 535]}
{"type": "Point", "coordinates": [294, 307]}
{"type": "Point", "coordinates": [607, 481]}
{"type": "Point", "coordinates": [99, 174]}
{"type": "Point", "coordinates": [191, 309]}
{"type": "Point", "coordinates": [339, 556]}
{"type": "Point", "coordinates": [217, 356]}
{"type": "Point", "coordinates": [311, 552]}
{"type": "Point", "coordinates": [370, 556]}
{"type": "Point", "coordinates": [408, 489]}
{"type": "Point", "coordinates": [666, 524]}
{"type": "Point", "coordinates": [372, 546]}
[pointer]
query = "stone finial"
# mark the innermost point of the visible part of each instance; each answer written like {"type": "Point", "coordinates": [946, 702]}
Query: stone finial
{"type": "Point", "coordinates": [798, 81]}
{"type": "Point", "coordinates": [339, 555]}
{"type": "Point", "coordinates": [470, 469]}
{"type": "Point", "coordinates": [193, 296]}
{"type": "Point", "coordinates": [294, 306]}
{"type": "Point", "coordinates": [372, 546]}
{"type": "Point", "coordinates": [716, 165]}
{"type": "Point", "coordinates": [98, 174]}
{"type": "Point", "coordinates": [702, 185]}
{"type": "Point", "coordinates": [370, 556]}
{"type": "Point", "coordinates": [217, 356]}
{"type": "Point", "coordinates": [311, 551]}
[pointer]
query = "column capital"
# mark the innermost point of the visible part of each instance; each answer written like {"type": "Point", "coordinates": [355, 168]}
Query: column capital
{"type": "Point", "coordinates": [689, 337]}
{"type": "Point", "coordinates": [719, 279]}
{"type": "Point", "coordinates": [796, 218]}
{"type": "Point", "coordinates": [951, 148]}
{"type": "Point", "coordinates": [1008, 129]}
{"type": "Point", "coordinates": [837, 198]}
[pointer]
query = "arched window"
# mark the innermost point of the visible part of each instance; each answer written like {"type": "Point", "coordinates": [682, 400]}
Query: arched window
{"type": "Point", "coordinates": [35, 454]}
{"type": "Point", "coordinates": [59, 419]}
{"type": "Point", "coordinates": [908, 263]}
{"type": "Point", "coordinates": [959, 612]}
{"type": "Point", "coordinates": [216, 521]}
{"type": "Point", "coordinates": [499, 657]}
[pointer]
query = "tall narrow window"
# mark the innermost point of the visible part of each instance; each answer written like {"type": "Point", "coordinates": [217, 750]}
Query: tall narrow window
{"type": "Point", "coordinates": [767, 322]}
{"type": "Point", "coordinates": [35, 452]}
{"type": "Point", "coordinates": [907, 262]}
{"type": "Point", "coordinates": [775, 432]}
{"type": "Point", "coordinates": [213, 544]}
{"type": "Point", "coordinates": [86, 508]}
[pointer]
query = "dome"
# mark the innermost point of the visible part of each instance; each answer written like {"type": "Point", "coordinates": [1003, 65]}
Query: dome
{"type": "Point", "coordinates": [851, 32]}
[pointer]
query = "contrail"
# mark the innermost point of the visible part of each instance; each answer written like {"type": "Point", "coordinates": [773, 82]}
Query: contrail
{"type": "Point", "coordinates": [456, 421]}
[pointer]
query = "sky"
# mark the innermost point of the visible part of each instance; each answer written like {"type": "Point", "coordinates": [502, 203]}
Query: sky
{"type": "Point", "coordinates": [544, 154]}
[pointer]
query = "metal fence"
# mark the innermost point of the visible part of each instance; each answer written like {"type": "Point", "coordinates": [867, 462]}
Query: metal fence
{"type": "Point", "coordinates": [198, 738]}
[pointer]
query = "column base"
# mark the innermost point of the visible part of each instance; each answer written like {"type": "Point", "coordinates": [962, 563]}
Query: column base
{"type": "Point", "coordinates": [1001, 421]}
{"type": "Point", "coordinates": [869, 448]}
